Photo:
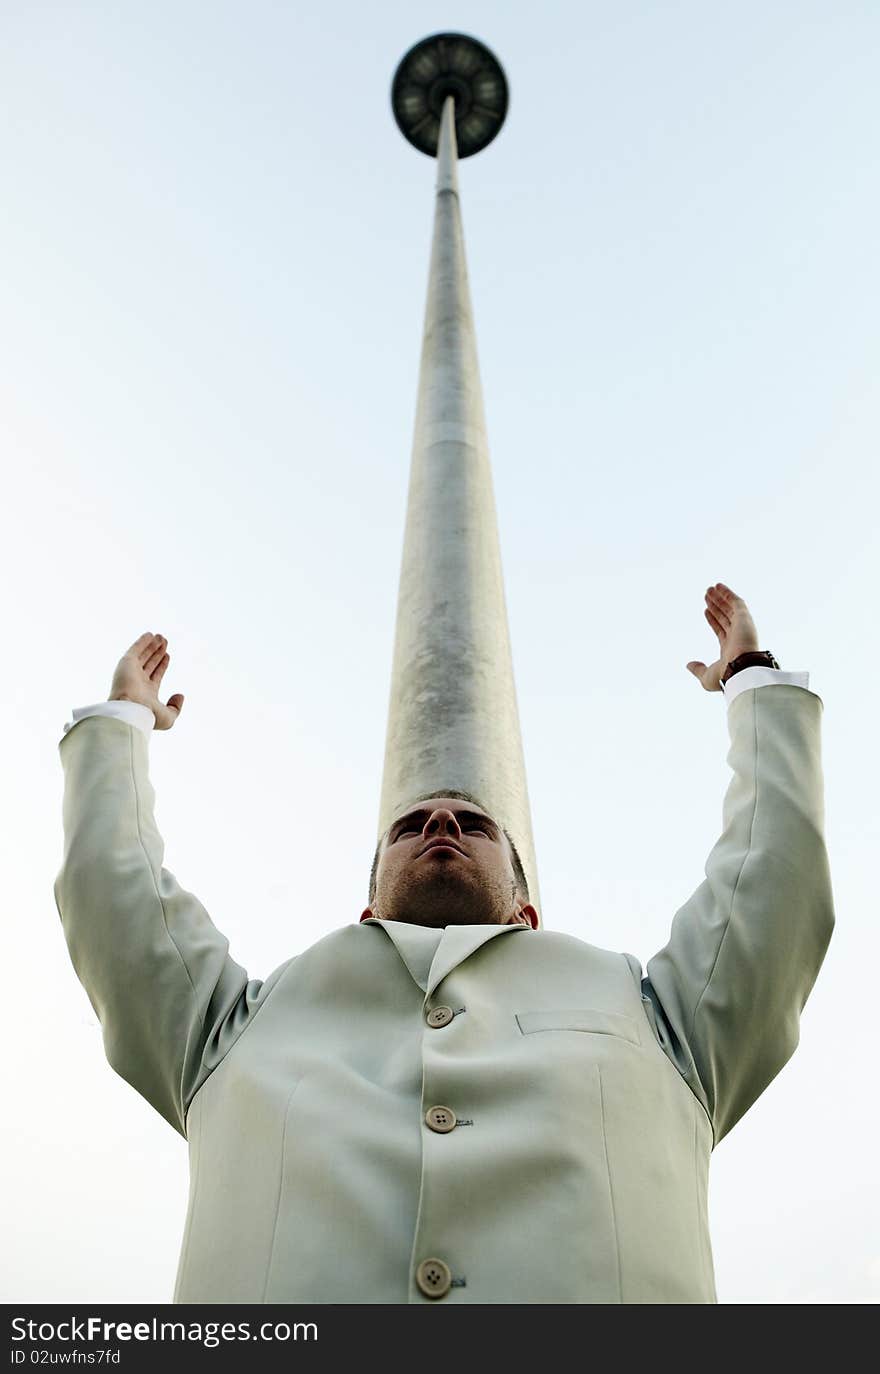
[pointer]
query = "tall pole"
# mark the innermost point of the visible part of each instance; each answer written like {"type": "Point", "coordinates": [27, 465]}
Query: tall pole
{"type": "Point", "coordinates": [453, 723]}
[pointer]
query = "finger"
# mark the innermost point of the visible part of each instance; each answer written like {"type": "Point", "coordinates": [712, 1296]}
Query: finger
{"type": "Point", "coordinates": [720, 630]}
{"type": "Point", "coordinates": [154, 653]}
{"type": "Point", "coordinates": [146, 646]}
{"type": "Point", "coordinates": [154, 656]}
{"type": "Point", "coordinates": [169, 712]}
{"type": "Point", "coordinates": [719, 607]}
{"type": "Point", "coordinates": [141, 644]}
{"type": "Point", "coordinates": [159, 671]}
{"type": "Point", "coordinates": [728, 596]}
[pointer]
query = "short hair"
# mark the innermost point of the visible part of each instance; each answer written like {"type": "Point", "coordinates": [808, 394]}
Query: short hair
{"type": "Point", "coordinates": [521, 885]}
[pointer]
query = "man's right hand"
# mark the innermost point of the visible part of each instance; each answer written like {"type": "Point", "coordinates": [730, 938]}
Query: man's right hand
{"type": "Point", "coordinates": [732, 622]}
{"type": "Point", "coordinates": [139, 675]}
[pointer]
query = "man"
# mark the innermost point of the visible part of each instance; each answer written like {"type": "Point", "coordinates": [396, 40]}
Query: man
{"type": "Point", "coordinates": [421, 1108]}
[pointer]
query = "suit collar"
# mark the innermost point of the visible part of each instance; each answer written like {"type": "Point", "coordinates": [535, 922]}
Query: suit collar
{"type": "Point", "coordinates": [431, 954]}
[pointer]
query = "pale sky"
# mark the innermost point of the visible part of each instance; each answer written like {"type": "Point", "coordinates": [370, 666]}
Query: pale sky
{"type": "Point", "coordinates": [215, 247]}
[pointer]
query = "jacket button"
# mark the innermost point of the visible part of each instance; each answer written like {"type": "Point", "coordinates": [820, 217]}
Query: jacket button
{"type": "Point", "coordinates": [439, 1016]}
{"type": "Point", "coordinates": [434, 1277]}
{"type": "Point", "coordinates": [440, 1119]}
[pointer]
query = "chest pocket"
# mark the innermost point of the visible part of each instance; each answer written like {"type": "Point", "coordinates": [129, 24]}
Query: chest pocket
{"type": "Point", "coordinates": [593, 1021]}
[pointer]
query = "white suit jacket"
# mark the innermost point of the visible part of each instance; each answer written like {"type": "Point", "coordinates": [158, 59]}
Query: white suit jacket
{"type": "Point", "coordinates": [479, 1114]}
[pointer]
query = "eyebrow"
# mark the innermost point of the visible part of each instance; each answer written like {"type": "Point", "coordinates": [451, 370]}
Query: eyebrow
{"type": "Point", "coordinates": [423, 813]}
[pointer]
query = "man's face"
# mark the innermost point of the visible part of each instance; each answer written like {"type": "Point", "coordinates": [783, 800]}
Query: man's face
{"type": "Point", "coordinates": [446, 862]}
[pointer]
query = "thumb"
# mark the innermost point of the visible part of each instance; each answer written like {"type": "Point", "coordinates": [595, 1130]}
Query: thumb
{"type": "Point", "coordinates": [175, 703]}
{"type": "Point", "coordinates": [697, 668]}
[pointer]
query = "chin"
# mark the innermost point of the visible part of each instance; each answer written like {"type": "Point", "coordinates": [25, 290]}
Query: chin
{"type": "Point", "coordinates": [446, 914]}
{"type": "Point", "coordinates": [444, 900]}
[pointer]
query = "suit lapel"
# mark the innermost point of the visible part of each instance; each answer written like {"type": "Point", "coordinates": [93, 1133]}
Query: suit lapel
{"type": "Point", "coordinates": [431, 954]}
{"type": "Point", "coordinates": [416, 945]}
{"type": "Point", "coordinates": [458, 944]}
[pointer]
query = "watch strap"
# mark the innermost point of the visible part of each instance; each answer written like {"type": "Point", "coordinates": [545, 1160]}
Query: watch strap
{"type": "Point", "coordinates": [755, 658]}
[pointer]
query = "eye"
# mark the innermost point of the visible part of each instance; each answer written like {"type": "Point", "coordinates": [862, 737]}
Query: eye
{"type": "Point", "coordinates": [467, 825]}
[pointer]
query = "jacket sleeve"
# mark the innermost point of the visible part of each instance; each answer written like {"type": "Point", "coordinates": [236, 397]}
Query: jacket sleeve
{"type": "Point", "coordinates": [170, 1000]}
{"type": "Point", "coordinates": [728, 989]}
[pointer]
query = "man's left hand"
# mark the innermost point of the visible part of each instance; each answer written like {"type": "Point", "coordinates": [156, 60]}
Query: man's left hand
{"type": "Point", "coordinates": [729, 617]}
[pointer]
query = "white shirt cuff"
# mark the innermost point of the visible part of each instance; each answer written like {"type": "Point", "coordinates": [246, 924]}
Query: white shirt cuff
{"type": "Point", "coordinates": [132, 712]}
{"type": "Point", "coordinates": [759, 676]}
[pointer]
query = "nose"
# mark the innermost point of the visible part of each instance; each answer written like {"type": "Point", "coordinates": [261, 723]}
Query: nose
{"type": "Point", "coordinates": [442, 822]}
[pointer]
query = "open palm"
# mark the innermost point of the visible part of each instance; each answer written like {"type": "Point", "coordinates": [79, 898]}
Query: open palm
{"type": "Point", "coordinates": [731, 620]}
{"type": "Point", "coordinates": [139, 675]}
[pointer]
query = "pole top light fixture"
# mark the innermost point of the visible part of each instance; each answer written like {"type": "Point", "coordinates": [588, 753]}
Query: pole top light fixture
{"type": "Point", "coordinates": [449, 64]}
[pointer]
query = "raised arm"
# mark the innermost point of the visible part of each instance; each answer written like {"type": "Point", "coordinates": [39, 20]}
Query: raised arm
{"type": "Point", "coordinates": [170, 1000]}
{"type": "Point", "coordinates": [728, 989]}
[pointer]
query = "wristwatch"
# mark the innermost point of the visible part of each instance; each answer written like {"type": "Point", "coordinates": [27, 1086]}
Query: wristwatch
{"type": "Point", "coordinates": [755, 658]}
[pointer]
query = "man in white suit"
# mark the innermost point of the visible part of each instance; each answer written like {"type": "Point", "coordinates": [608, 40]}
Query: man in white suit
{"type": "Point", "coordinates": [444, 1102]}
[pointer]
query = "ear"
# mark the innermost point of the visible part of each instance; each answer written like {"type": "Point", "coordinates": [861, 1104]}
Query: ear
{"type": "Point", "coordinates": [531, 916]}
{"type": "Point", "coordinates": [365, 915]}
